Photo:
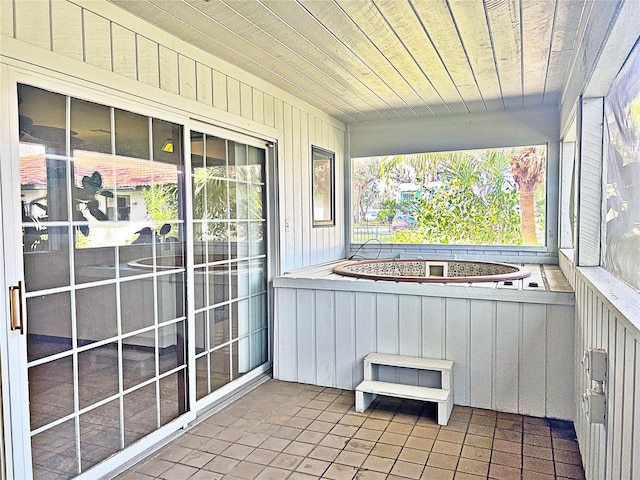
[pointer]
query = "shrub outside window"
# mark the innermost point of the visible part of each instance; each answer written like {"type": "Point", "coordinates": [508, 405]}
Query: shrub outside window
{"type": "Point", "coordinates": [471, 197]}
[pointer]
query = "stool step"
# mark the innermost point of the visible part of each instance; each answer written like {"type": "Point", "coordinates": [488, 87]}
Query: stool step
{"type": "Point", "coordinates": [412, 392]}
{"type": "Point", "coordinates": [366, 392]}
{"type": "Point", "coordinates": [409, 362]}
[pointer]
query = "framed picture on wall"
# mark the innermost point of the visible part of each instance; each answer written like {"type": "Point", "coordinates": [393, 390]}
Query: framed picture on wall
{"type": "Point", "coordinates": [322, 186]}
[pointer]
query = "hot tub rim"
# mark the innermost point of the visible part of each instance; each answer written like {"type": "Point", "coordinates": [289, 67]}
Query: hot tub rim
{"type": "Point", "coordinates": [520, 273]}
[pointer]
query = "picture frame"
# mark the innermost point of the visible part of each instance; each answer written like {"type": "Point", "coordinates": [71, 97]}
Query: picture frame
{"type": "Point", "coordinates": [322, 187]}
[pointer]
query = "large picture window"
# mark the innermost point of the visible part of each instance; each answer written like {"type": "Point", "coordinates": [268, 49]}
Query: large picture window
{"type": "Point", "coordinates": [621, 245]}
{"type": "Point", "coordinates": [470, 197]}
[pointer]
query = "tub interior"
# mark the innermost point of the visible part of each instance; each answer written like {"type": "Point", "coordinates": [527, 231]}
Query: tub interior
{"type": "Point", "coordinates": [432, 270]}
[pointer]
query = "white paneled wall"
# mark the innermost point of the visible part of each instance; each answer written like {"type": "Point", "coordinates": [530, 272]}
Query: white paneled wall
{"type": "Point", "coordinates": [511, 356]}
{"type": "Point", "coordinates": [86, 37]}
{"type": "Point", "coordinates": [612, 450]}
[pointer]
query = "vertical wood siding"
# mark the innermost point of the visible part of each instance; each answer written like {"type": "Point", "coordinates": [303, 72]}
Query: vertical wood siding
{"type": "Point", "coordinates": [124, 52]}
{"type": "Point", "coordinates": [612, 450]}
{"type": "Point", "coordinates": [66, 26]}
{"type": "Point", "coordinates": [148, 61]}
{"type": "Point", "coordinates": [513, 357]}
{"type": "Point", "coordinates": [32, 23]}
{"type": "Point", "coordinates": [130, 50]}
{"type": "Point", "coordinates": [204, 84]}
{"type": "Point", "coordinates": [7, 25]}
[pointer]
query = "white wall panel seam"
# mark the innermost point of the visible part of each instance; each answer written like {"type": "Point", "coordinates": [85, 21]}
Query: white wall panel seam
{"type": "Point", "coordinates": [111, 50]}
{"type": "Point", "coordinates": [84, 39]}
{"type": "Point", "coordinates": [627, 407]}
{"type": "Point", "coordinates": [635, 464]}
{"type": "Point", "coordinates": [521, 358]}
{"type": "Point", "coordinates": [334, 334]}
{"type": "Point", "coordinates": [494, 350]}
{"type": "Point", "coordinates": [136, 66]}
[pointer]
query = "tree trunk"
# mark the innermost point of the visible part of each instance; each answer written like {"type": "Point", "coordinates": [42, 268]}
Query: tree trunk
{"type": "Point", "coordinates": [357, 208]}
{"type": "Point", "coordinates": [528, 217]}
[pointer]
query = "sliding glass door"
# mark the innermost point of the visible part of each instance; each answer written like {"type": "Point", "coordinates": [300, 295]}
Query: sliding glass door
{"type": "Point", "coordinates": [113, 351]}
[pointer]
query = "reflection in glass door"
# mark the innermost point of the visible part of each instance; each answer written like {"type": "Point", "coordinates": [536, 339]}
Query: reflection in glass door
{"type": "Point", "coordinates": [230, 258]}
{"type": "Point", "coordinates": [102, 199]}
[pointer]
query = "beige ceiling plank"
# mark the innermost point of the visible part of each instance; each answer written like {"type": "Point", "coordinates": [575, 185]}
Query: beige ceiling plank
{"type": "Point", "coordinates": [538, 23]}
{"type": "Point", "coordinates": [472, 26]}
{"type": "Point", "coordinates": [335, 20]}
{"type": "Point", "coordinates": [223, 43]}
{"type": "Point", "coordinates": [443, 34]}
{"type": "Point", "coordinates": [406, 25]}
{"type": "Point", "coordinates": [328, 46]}
{"type": "Point", "coordinates": [504, 28]}
{"type": "Point", "coordinates": [309, 57]}
{"type": "Point", "coordinates": [383, 38]}
{"type": "Point", "coordinates": [565, 35]}
{"type": "Point", "coordinates": [368, 60]}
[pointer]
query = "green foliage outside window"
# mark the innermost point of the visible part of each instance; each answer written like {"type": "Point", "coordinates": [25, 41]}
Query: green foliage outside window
{"type": "Point", "coordinates": [480, 197]}
{"type": "Point", "coordinates": [161, 202]}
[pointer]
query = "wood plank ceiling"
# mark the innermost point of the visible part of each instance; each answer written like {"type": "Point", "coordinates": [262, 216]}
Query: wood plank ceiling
{"type": "Point", "coordinates": [362, 60]}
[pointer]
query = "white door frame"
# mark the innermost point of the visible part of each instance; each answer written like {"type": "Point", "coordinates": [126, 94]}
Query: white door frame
{"type": "Point", "coordinates": [15, 394]}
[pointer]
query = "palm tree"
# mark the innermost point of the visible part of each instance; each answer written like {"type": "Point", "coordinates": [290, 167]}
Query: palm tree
{"type": "Point", "coordinates": [420, 167]}
{"type": "Point", "coordinates": [528, 170]}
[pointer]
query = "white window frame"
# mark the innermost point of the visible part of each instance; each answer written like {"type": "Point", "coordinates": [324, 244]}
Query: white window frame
{"type": "Point", "coordinates": [520, 254]}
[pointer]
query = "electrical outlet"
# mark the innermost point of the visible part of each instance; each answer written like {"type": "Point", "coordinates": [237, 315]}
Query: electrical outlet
{"type": "Point", "coordinates": [597, 367]}
{"type": "Point", "coordinates": [595, 406]}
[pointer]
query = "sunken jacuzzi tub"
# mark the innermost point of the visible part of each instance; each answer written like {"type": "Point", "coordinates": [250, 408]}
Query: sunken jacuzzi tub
{"type": "Point", "coordinates": [432, 271]}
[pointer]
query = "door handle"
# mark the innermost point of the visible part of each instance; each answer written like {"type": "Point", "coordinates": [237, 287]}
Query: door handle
{"type": "Point", "coordinates": [15, 305]}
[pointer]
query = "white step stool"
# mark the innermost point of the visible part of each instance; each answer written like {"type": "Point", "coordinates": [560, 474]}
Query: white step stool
{"type": "Point", "coordinates": [366, 392]}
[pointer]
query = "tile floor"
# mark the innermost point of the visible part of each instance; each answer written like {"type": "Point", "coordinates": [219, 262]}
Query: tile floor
{"type": "Point", "coordinates": [294, 431]}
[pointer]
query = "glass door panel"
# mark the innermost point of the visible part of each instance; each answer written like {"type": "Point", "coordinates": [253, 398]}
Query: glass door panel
{"type": "Point", "coordinates": [228, 181]}
{"type": "Point", "coordinates": [102, 193]}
